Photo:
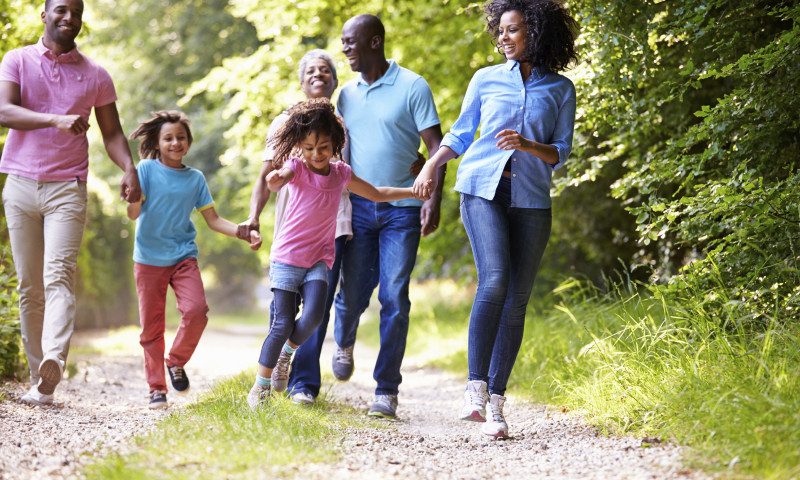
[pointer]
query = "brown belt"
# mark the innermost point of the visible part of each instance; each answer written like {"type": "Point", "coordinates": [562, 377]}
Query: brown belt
{"type": "Point", "coordinates": [507, 174]}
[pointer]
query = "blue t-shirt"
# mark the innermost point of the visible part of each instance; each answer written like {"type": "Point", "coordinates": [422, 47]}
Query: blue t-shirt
{"type": "Point", "coordinates": [164, 230]}
{"type": "Point", "coordinates": [383, 122]}
{"type": "Point", "coordinates": [542, 109]}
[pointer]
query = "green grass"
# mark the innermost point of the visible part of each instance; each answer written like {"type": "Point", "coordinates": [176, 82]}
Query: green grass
{"type": "Point", "coordinates": [697, 370]}
{"type": "Point", "coordinates": [220, 437]}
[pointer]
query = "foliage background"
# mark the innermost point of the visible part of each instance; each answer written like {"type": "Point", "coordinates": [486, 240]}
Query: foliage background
{"type": "Point", "coordinates": [684, 166]}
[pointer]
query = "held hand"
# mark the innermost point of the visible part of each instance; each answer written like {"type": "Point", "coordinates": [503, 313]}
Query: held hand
{"type": "Point", "coordinates": [512, 140]}
{"type": "Point", "coordinates": [74, 124]}
{"type": "Point", "coordinates": [129, 188]}
{"type": "Point", "coordinates": [425, 183]}
{"type": "Point", "coordinates": [255, 240]}
{"type": "Point", "coordinates": [243, 229]}
{"type": "Point", "coordinates": [416, 167]}
{"type": "Point", "coordinates": [429, 217]}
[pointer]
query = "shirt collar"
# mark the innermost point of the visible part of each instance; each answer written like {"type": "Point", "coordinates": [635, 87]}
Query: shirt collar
{"type": "Point", "coordinates": [388, 78]}
{"type": "Point", "coordinates": [536, 72]}
{"type": "Point", "coordinates": [70, 57]}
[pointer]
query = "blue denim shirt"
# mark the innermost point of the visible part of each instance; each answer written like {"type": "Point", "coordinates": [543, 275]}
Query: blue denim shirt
{"type": "Point", "coordinates": [543, 110]}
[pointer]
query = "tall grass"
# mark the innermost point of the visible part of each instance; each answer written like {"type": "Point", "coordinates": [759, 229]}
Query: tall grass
{"type": "Point", "coordinates": [697, 368]}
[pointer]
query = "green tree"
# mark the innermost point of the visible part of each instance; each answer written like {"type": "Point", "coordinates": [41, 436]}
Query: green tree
{"type": "Point", "coordinates": [154, 50]}
{"type": "Point", "coordinates": [19, 28]}
{"type": "Point", "coordinates": [696, 102]}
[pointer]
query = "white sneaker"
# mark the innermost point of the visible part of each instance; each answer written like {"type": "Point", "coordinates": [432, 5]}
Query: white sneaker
{"type": "Point", "coordinates": [33, 397]}
{"type": "Point", "coordinates": [50, 372]}
{"type": "Point", "coordinates": [303, 398]}
{"type": "Point", "coordinates": [258, 396]}
{"type": "Point", "coordinates": [280, 374]}
{"type": "Point", "coordinates": [496, 425]}
{"type": "Point", "coordinates": [474, 409]}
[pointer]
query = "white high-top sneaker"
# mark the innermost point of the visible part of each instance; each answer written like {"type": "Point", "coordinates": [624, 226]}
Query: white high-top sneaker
{"type": "Point", "coordinates": [496, 425]}
{"type": "Point", "coordinates": [474, 409]}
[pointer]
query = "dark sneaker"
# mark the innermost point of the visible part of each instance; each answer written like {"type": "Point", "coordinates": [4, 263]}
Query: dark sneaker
{"type": "Point", "coordinates": [280, 374]}
{"type": "Point", "coordinates": [180, 382]}
{"type": "Point", "coordinates": [384, 406]}
{"type": "Point", "coordinates": [258, 396]}
{"type": "Point", "coordinates": [158, 399]}
{"type": "Point", "coordinates": [50, 373]}
{"type": "Point", "coordinates": [342, 364]}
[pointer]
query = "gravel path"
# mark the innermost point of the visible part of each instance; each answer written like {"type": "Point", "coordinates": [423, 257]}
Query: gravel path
{"type": "Point", "coordinates": [104, 404]}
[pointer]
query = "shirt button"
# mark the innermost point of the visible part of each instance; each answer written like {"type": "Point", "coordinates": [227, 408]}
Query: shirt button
{"type": "Point", "coordinates": [513, 174]}
{"type": "Point", "coordinates": [520, 108]}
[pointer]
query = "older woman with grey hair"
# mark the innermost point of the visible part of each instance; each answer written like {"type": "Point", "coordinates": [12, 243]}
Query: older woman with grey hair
{"type": "Point", "coordinates": [317, 79]}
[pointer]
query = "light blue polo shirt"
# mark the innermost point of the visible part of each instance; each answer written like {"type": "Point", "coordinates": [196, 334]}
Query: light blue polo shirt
{"type": "Point", "coordinates": [383, 122]}
{"type": "Point", "coordinates": [164, 230]}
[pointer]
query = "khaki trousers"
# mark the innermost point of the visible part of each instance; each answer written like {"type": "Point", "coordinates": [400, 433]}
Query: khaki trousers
{"type": "Point", "coordinates": [45, 223]}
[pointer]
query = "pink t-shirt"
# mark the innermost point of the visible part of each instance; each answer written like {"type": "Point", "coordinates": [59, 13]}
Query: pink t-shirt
{"type": "Point", "coordinates": [307, 234]}
{"type": "Point", "coordinates": [70, 83]}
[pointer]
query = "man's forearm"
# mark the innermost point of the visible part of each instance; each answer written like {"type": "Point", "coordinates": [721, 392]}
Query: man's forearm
{"type": "Point", "coordinates": [20, 118]}
{"type": "Point", "coordinates": [117, 148]}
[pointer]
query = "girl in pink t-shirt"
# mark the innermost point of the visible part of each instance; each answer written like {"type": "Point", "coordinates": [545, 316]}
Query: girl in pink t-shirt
{"type": "Point", "coordinates": [303, 250]}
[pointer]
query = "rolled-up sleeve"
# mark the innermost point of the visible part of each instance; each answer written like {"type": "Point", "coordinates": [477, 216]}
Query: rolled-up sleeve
{"type": "Point", "coordinates": [462, 133]}
{"type": "Point", "coordinates": [565, 126]}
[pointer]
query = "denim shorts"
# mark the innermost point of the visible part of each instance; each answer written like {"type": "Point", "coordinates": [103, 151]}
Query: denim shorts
{"type": "Point", "coordinates": [291, 278]}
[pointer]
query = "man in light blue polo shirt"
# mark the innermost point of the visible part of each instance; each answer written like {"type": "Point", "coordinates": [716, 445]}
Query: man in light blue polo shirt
{"type": "Point", "coordinates": [386, 110]}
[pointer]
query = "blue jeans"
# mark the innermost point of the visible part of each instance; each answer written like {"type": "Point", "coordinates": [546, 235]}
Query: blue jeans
{"type": "Point", "coordinates": [508, 243]}
{"type": "Point", "coordinates": [382, 251]}
{"type": "Point", "coordinates": [305, 375]}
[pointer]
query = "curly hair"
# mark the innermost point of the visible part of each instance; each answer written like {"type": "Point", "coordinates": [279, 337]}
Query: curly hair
{"type": "Point", "coordinates": [314, 115]}
{"type": "Point", "coordinates": [150, 130]}
{"type": "Point", "coordinates": [551, 31]}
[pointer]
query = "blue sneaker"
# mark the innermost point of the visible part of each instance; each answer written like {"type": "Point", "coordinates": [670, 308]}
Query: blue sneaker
{"type": "Point", "coordinates": [158, 400]}
{"type": "Point", "coordinates": [384, 406]}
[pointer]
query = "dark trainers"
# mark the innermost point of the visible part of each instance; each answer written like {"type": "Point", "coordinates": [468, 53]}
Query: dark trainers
{"type": "Point", "coordinates": [342, 364]}
{"type": "Point", "coordinates": [180, 382]}
{"type": "Point", "coordinates": [50, 372]}
{"type": "Point", "coordinates": [384, 406]}
{"type": "Point", "coordinates": [280, 374]}
{"type": "Point", "coordinates": [158, 399]}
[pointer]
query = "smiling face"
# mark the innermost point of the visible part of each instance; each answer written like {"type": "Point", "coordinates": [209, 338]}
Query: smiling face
{"type": "Point", "coordinates": [511, 35]}
{"type": "Point", "coordinates": [317, 151]}
{"type": "Point", "coordinates": [62, 23]}
{"type": "Point", "coordinates": [173, 143]}
{"type": "Point", "coordinates": [356, 44]}
{"type": "Point", "coordinates": [318, 79]}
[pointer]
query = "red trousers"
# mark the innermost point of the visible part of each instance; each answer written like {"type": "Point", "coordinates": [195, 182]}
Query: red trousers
{"type": "Point", "coordinates": [151, 286]}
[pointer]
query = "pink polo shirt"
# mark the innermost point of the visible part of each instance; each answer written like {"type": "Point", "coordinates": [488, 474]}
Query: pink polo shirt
{"type": "Point", "coordinates": [70, 83]}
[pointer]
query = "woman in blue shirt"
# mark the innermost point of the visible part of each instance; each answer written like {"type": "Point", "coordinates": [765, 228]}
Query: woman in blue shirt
{"type": "Point", "coordinates": [526, 112]}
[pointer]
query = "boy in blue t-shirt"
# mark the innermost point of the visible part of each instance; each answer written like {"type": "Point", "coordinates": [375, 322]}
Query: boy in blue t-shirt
{"type": "Point", "coordinates": [165, 252]}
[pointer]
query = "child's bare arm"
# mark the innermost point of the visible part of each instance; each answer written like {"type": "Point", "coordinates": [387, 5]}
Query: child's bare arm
{"type": "Point", "coordinates": [377, 194]}
{"type": "Point", "coordinates": [217, 223]}
{"type": "Point", "coordinates": [134, 209]}
{"type": "Point", "coordinates": [278, 178]}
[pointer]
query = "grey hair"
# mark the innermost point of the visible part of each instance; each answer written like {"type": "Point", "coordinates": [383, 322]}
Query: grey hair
{"type": "Point", "coordinates": [314, 55]}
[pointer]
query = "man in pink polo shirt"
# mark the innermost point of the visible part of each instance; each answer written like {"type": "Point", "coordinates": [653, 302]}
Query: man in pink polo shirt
{"type": "Point", "coordinates": [47, 92]}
